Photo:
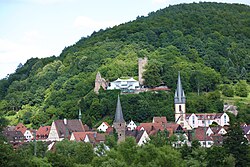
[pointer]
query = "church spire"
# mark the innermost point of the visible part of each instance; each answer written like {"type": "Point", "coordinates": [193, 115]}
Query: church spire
{"type": "Point", "coordinates": [80, 114]}
{"type": "Point", "coordinates": [179, 97]}
{"type": "Point", "coordinates": [118, 113]}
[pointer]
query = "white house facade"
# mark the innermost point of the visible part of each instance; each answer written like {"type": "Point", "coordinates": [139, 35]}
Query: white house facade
{"type": "Point", "coordinates": [206, 119]}
{"type": "Point", "coordinates": [28, 135]}
{"type": "Point", "coordinates": [103, 127]}
{"type": "Point", "coordinates": [144, 138]}
{"type": "Point", "coordinates": [53, 135]}
{"type": "Point", "coordinates": [131, 125]}
{"type": "Point", "coordinates": [127, 84]}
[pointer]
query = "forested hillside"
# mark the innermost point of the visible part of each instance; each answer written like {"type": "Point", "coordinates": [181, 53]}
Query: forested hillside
{"type": "Point", "coordinates": [209, 43]}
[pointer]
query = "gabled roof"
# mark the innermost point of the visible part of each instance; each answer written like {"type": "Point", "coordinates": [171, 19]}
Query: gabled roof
{"type": "Point", "coordinates": [12, 136]}
{"type": "Point", "coordinates": [216, 129]}
{"type": "Point", "coordinates": [21, 127]}
{"type": "Point", "coordinates": [106, 124]}
{"type": "Point", "coordinates": [206, 116]}
{"type": "Point", "coordinates": [137, 134]}
{"type": "Point", "coordinates": [43, 131]}
{"type": "Point", "coordinates": [152, 128]}
{"type": "Point", "coordinates": [65, 130]}
{"type": "Point", "coordinates": [246, 129]}
{"type": "Point", "coordinates": [94, 137]}
{"type": "Point", "coordinates": [162, 120]}
{"type": "Point", "coordinates": [174, 126]}
{"type": "Point", "coordinates": [200, 134]}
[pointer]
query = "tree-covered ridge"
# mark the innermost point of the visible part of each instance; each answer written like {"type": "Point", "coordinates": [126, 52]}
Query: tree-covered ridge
{"type": "Point", "coordinates": [207, 42]}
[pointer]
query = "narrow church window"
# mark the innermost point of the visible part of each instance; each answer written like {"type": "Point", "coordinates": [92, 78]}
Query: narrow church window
{"type": "Point", "coordinates": [120, 124]}
{"type": "Point", "coordinates": [179, 107]}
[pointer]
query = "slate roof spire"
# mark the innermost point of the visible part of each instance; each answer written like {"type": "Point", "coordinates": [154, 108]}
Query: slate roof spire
{"type": "Point", "coordinates": [179, 97]}
{"type": "Point", "coordinates": [118, 112]}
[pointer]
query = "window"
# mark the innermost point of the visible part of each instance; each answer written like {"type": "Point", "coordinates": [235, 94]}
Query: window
{"type": "Point", "coordinates": [179, 107]}
{"type": "Point", "coordinates": [225, 119]}
{"type": "Point", "coordinates": [193, 119]}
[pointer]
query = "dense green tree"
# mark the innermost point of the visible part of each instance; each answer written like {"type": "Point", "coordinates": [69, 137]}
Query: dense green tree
{"type": "Point", "coordinates": [228, 90]}
{"type": "Point", "coordinates": [152, 75]}
{"type": "Point", "coordinates": [236, 144]}
{"type": "Point", "coordinates": [241, 88]}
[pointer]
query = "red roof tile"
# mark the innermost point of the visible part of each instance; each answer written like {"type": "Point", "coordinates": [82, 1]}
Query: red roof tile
{"type": "Point", "coordinates": [43, 132]}
{"type": "Point", "coordinates": [160, 120]}
{"type": "Point", "coordinates": [21, 127]}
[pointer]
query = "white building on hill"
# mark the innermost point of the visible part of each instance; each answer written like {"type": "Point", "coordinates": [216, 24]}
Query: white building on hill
{"type": "Point", "coordinates": [124, 84]}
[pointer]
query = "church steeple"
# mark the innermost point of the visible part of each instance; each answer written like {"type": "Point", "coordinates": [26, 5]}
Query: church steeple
{"type": "Point", "coordinates": [179, 97]}
{"type": "Point", "coordinates": [119, 124]}
{"type": "Point", "coordinates": [118, 112]}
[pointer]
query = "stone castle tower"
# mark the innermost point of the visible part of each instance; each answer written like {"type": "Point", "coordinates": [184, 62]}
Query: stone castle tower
{"type": "Point", "coordinates": [99, 82]}
{"type": "Point", "coordinates": [119, 123]}
{"type": "Point", "coordinates": [142, 62]}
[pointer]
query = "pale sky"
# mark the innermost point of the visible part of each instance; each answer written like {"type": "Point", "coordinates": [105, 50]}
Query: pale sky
{"type": "Point", "coordinates": [43, 28]}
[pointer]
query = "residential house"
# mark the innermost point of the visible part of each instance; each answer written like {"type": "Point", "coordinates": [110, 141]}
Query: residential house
{"type": "Point", "coordinates": [28, 133]}
{"type": "Point", "coordinates": [13, 136]}
{"type": "Point", "coordinates": [124, 84]}
{"type": "Point", "coordinates": [141, 136]}
{"type": "Point", "coordinates": [91, 137]}
{"type": "Point", "coordinates": [61, 129]}
{"type": "Point", "coordinates": [43, 133]}
{"type": "Point", "coordinates": [202, 136]}
{"type": "Point", "coordinates": [162, 120]}
{"type": "Point", "coordinates": [131, 125]}
{"type": "Point", "coordinates": [208, 136]}
{"type": "Point", "coordinates": [103, 127]}
{"type": "Point", "coordinates": [230, 108]}
{"type": "Point", "coordinates": [205, 119]}
{"type": "Point", "coordinates": [246, 131]}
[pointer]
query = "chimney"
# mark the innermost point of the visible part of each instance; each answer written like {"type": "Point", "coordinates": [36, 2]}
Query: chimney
{"type": "Point", "coordinates": [65, 121]}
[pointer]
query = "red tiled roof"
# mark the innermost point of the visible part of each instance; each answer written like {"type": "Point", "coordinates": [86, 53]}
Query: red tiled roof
{"type": "Point", "coordinates": [159, 88]}
{"type": "Point", "coordinates": [94, 137]}
{"type": "Point", "coordinates": [152, 128]}
{"type": "Point", "coordinates": [43, 132]}
{"type": "Point", "coordinates": [200, 134]}
{"type": "Point", "coordinates": [109, 130]}
{"type": "Point", "coordinates": [216, 129]}
{"type": "Point", "coordinates": [79, 136]}
{"type": "Point", "coordinates": [21, 127]}
{"type": "Point", "coordinates": [160, 120]}
{"type": "Point", "coordinates": [106, 124]}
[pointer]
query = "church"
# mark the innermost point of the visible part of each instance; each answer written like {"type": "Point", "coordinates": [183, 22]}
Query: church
{"type": "Point", "coordinates": [194, 120]}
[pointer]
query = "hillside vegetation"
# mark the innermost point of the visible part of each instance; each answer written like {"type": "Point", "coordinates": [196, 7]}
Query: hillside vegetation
{"type": "Point", "coordinates": [209, 43]}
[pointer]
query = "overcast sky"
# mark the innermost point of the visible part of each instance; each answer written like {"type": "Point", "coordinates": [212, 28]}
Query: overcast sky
{"type": "Point", "coordinates": [43, 28]}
